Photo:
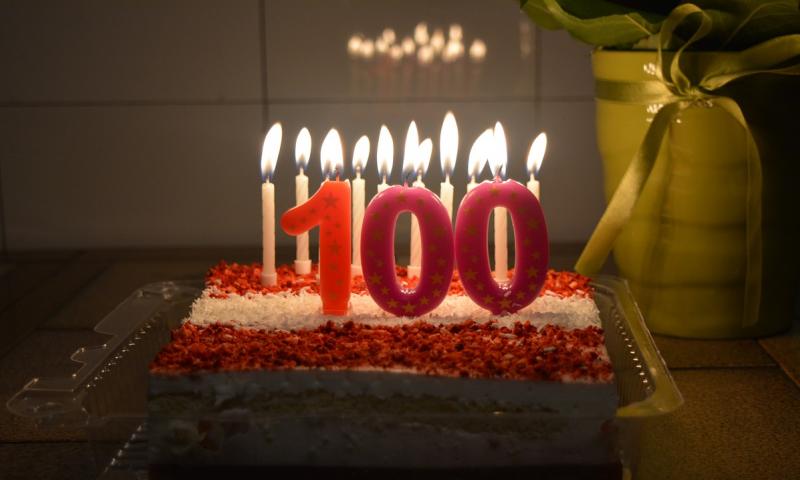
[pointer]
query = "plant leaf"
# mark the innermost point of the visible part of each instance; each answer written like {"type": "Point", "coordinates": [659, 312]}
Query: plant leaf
{"type": "Point", "coordinates": [598, 22]}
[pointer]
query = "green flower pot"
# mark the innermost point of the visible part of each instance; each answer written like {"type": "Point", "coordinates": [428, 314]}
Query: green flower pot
{"type": "Point", "coordinates": [684, 248]}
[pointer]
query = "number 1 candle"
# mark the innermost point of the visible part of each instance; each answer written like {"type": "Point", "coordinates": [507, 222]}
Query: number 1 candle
{"type": "Point", "coordinates": [330, 209]}
{"type": "Point", "coordinates": [302, 152]}
{"type": "Point", "coordinates": [360, 158]}
{"type": "Point", "coordinates": [269, 157]}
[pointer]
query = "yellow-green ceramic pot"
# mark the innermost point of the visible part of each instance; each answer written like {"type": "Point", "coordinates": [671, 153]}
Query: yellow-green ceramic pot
{"type": "Point", "coordinates": [683, 250]}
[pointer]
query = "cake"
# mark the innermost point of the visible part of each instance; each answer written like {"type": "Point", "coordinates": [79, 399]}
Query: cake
{"type": "Point", "coordinates": [257, 376]}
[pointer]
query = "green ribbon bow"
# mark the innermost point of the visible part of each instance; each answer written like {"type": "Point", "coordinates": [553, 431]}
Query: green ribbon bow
{"type": "Point", "coordinates": [676, 92]}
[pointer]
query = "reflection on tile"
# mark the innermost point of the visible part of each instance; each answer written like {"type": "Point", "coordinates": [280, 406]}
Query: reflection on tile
{"type": "Point", "coordinates": [685, 353]}
{"type": "Point", "coordinates": [43, 354]}
{"type": "Point", "coordinates": [128, 51]}
{"type": "Point", "coordinates": [785, 349]}
{"type": "Point", "coordinates": [566, 66]}
{"type": "Point", "coordinates": [136, 176]}
{"type": "Point", "coordinates": [62, 461]}
{"type": "Point", "coordinates": [571, 173]}
{"type": "Point", "coordinates": [95, 301]}
{"type": "Point", "coordinates": [310, 54]}
{"type": "Point", "coordinates": [735, 424]}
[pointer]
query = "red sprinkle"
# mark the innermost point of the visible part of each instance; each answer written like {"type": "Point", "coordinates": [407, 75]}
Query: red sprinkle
{"type": "Point", "coordinates": [468, 349]}
{"type": "Point", "coordinates": [235, 278]}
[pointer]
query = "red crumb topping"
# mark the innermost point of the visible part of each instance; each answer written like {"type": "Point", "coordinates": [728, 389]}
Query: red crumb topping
{"type": "Point", "coordinates": [235, 278]}
{"type": "Point", "coordinates": [468, 349]}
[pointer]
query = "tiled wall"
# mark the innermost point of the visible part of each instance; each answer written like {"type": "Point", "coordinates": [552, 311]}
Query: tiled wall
{"type": "Point", "coordinates": [139, 123]}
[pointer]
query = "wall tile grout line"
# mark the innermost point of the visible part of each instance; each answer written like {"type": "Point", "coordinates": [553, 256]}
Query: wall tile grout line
{"type": "Point", "coordinates": [291, 101]}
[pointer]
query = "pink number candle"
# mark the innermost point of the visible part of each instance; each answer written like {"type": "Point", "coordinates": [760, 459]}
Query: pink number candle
{"type": "Point", "coordinates": [530, 237]}
{"type": "Point", "coordinates": [377, 250]}
{"type": "Point", "coordinates": [330, 209]}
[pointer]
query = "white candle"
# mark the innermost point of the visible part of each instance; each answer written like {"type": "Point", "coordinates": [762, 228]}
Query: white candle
{"type": "Point", "coordinates": [478, 155]}
{"type": "Point", "coordinates": [448, 152]}
{"type": "Point", "coordinates": [497, 161]}
{"type": "Point", "coordinates": [269, 157]}
{"type": "Point", "coordinates": [534, 163]}
{"type": "Point", "coordinates": [360, 158]}
{"type": "Point", "coordinates": [423, 159]}
{"type": "Point", "coordinates": [410, 166]}
{"type": "Point", "coordinates": [385, 157]}
{"type": "Point", "coordinates": [302, 152]}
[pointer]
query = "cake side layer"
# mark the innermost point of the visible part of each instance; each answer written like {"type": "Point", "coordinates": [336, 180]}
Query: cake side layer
{"type": "Point", "coordinates": [363, 418]}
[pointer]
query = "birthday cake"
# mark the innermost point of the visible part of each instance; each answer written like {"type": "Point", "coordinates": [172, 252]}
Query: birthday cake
{"type": "Point", "coordinates": [258, 376]}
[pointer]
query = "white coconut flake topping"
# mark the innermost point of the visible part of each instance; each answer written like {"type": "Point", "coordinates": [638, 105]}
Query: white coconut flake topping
{"type": "Point", "coordinates": [289, 311]}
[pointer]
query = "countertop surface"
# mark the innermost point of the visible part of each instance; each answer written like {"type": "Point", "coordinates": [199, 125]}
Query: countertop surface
{"type": "Point", "coordinates": [741, 417]}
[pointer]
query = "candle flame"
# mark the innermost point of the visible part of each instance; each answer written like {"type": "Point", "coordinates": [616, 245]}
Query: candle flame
{"type": "Point", "coordinates": [361, 154]}
{"type": "Point", "coordinates": [536, 154]}
{"type": "Point", "coordinates": [331, 155]}
{"type": "Point", "coordinates": [302, 149]}
{"type": "Point", "coordinates": [448, 144]}
{"type": "Point", "coordinates": [421, 33]}
{"type": "Point", "coordinates": [478, 154]}
{"type": "Point", "coordinates": [424, 151]}
{"type": "Point", "coordinates": [498, 156]}
{"type": "Point", "coordinates": [385, 152]}
{"type": "Point", "coordinates": [410, 150]}
{"type": "Point", "coordinates": [270, 150]}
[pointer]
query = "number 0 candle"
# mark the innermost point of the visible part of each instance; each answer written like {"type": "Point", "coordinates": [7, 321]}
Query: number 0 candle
{"type": "Point", "coordinates": [530, 237]}
{"type": "Point", "coordinates": [377, 250]}
{"type": "Point", "coordinates": [269, 157]}
{"type": "Point", "coordinates": [330, 209]}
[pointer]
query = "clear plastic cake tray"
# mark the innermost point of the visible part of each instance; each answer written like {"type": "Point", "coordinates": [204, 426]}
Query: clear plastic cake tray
{"type": "Point", "coordinates": [107, 394]}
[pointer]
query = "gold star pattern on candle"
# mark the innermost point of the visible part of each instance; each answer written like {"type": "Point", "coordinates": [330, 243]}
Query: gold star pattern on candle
{"type": "Point", "coordinates": [536, 255]}
{"type": "Point", "coordinates": [532, 223]}
{"type": "Point", "coordinates": [494, 191]}
{"type": "Point", "coordinates": [401, 197]}
{"type": "Point", "coordinates": [379, 263]}
{"type": "Point", "coordinates": [335, 248]}
{"type": "Point", "coordinates": [438, 232]}
{"type": "Point", "coordinates": [392, 303]}
{"type": "Point", "coordinates": [520, 296]}
{"type": "Point", "coordinates": [441, 262]}
{"type": "Point", "coordinates": [329, 200]}
{"type": "Point", "coordinates": [532, 272]}
{"type": "Point", "coordinates": [437, 278]}
{"type": "Point", "coordinates": [505, 303]}
{"type": "Point", "coordinates": [375, 279]}
{"type": "Point", "coordinates": [424, 301]}
{"type": "Point", "coordinates": [470, 274]}
{"type": "Point", "coordinates": [480, 287]}
{"type": "Point", "coordinates": [377, 235]}
{"type": "Point", "coordinates": [471, 230]}
{"type": "Point", "coordinates": [409, 308]}
{"type": "Point", "coordinates": [488, 299]}
{"type": "Point", "coordinates": [527, 242]}
{"type": "Point", "coordinates": [385, 290]}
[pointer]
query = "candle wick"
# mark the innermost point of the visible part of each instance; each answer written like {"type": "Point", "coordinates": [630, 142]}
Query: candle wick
{"type": "Point", "coordinates": [533, 176]}
{"type": "Point", "coordinates": [447, 177]}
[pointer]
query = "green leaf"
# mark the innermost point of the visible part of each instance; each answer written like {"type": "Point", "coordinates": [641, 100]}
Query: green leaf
{"type": "Point", "coordinates": [599, 22]}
